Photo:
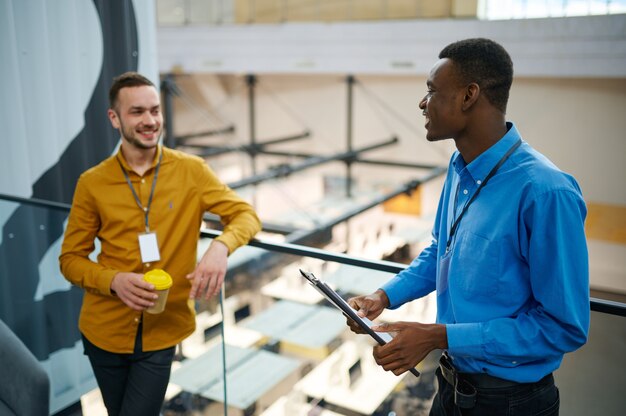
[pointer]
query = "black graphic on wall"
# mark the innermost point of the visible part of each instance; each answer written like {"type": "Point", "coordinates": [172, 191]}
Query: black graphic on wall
{"type": "Point", "coordinates": [50, 324]}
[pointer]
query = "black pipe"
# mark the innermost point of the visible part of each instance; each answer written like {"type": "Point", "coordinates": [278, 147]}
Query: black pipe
{"type": "Point", "coordinates": [167, 86]}
{"type": "Point", "coordinates": [250, 149]}
{"type": "Point", "coordinates": [287, 154]}
{"type": "Point", "coordinates": [60, 206]}
{"type": "Point", "coordinates": [407, 188]}
{"type": "Point", "coordinates": [224, 130]}
{"type": "Point", "coordinates": [350, 81]}
{"type": "Point", "coordinates": [395, 164]}
{"type": "Point", "coordinates": [390, 163]}
{"type": "Point", "coordinates": [251, 81]}
{"type": "Point", "coordinates": [608, 306]}
{"type": "Point", "coordinates": [303, 135]}
{"type": "Point", "coordinates": [285, 170]}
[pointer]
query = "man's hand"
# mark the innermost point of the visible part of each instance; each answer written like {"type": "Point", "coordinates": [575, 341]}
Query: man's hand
{"type": "Point", "coordinates": [209, 274]}
{"type": "Point", "coordinates": [411, 343]}
{"type": "Point", "coordinates": [135, 292]}
{"type": "Point", "coordinates": [369, 306]}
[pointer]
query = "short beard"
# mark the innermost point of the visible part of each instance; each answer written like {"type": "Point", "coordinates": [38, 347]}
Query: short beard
{"type": "Point", "coordinates": [133, 141]}
{"type": "Point", "coordinates": [128, 135]}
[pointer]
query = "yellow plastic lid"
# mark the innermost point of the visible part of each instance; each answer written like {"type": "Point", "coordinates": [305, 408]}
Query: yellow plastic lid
{"type": "Point", "coordinates": [159, 278]}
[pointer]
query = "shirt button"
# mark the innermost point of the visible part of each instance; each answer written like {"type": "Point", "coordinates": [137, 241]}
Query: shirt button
{"type": "Point", "coordinates": [143, 180]}
{"type": "Point", "coordinates": [479, 182]}
{"type": "Point", "coordinates": [465, 191]}
{"type": "Point", "coordinates": [136, 320]}
{"type": "Point", "coordinates": [147, 265]}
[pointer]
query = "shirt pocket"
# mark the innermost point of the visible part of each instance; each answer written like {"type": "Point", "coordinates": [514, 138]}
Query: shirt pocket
{"type": "Point", "coordinates": [477, 266]}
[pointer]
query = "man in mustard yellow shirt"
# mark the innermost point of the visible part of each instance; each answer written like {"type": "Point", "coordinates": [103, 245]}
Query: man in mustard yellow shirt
{"type": "Point", "coordinates": [145, 206]}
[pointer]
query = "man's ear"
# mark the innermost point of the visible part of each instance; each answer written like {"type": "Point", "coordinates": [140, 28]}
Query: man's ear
{"type": "Point", "coordinates": [472, 92]}
{"type": "Point", "coordinates": [115, 122]}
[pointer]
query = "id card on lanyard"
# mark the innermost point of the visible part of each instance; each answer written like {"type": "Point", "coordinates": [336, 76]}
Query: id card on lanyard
{"type": "Point", "coordinates": [149, 247]}
{"type": "Point", "coordinates": [148, 244]}
{"type": "Point", "coordinates": [444, 261]}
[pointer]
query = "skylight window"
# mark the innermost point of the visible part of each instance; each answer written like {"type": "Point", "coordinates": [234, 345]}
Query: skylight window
{"type": "Point", "coordinates": [530, 9]}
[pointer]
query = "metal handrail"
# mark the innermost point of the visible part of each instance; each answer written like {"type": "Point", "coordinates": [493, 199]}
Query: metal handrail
{"type": "Point", "coordinates": [597, 305]}
{"type": "Point", "coordinates": [37, 202]}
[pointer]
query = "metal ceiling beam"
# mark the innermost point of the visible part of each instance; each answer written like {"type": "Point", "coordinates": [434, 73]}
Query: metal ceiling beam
{"type": "Point", "coordinates": [251, 149]}
{"type": "Point", "coordinates": [288, 154]}
{"type": "Point", "coordinates": [293, 241]}
{"type": "Point", "coordinates": [357, 160]}
{"type": "Point", "coordinates": [285, 170]}
{"type": "Point", "coordinates": [396, 164]}
{"type": "Point", "coordinates": [224, 130]}
{"type": "Point", "coordinates": [349, 141]}
{"type": "Point", "coordinates": [406, 188]}
{"type": "Point", "coordinates": [167, 89]}
{"type": "Point", "coordinates": [251, 81]}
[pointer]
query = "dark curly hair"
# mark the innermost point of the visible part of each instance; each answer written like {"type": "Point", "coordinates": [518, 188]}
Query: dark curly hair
{"type": "Point", "coordinates": [127, 79]}
{"type": "Point", "coordinates": [486, 63]}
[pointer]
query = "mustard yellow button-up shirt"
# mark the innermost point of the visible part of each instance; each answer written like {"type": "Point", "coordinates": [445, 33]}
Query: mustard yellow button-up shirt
{"type": "Point", "coordinates": [104, 207]}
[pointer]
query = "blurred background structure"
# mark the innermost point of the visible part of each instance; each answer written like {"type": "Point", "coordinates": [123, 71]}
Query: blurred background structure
{"type": "Point", "coordinates": [309, 108]}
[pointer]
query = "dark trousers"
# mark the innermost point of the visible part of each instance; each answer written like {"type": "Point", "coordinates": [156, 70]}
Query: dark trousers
{"type": "Point", "coordinates": [131, 384]}
{"type": "Point", "coordinates": [525, 399]}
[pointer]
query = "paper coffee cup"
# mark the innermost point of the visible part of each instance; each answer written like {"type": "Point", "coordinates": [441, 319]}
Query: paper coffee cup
{"type": "Point", "coordinates": [162, 282]}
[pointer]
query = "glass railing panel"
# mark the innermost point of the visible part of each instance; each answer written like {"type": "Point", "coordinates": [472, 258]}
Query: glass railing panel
{"type": "Point", "coordinates": [288, 350]}
{"type": "Point", "coordinates": [591, 380]}
{"type": "Point", "coordinates": [37, 303]}
{"type": "Point", "coordinates": [285, 347]}
{"type": "Point", "coordinates": [289, 319]}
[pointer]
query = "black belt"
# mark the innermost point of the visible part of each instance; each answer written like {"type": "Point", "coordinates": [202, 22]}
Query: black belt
{"type": "Point", "coordinates": [466, 385]}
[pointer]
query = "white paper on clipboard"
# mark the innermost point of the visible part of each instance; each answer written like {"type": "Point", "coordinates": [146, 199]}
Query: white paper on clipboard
{"type": "Point", "coordinates": [333, 297]}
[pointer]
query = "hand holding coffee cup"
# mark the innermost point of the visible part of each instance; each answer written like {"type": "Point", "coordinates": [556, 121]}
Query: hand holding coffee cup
{"type": "Point", "coordinates": [162, 282]}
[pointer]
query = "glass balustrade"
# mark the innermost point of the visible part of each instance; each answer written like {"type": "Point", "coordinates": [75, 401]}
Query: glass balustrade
{"type": "Point", "coordinates": [284, 348]}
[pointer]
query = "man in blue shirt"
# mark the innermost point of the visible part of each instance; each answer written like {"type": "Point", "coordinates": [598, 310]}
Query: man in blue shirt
{"type": "Point", "coordinates": [508, 259]}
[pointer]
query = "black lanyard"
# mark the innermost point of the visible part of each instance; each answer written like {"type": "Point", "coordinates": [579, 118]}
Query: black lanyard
{"type": "Point", "coordinates": [493, 171]}
{"type": "Point", "coordinates": [146, 210]}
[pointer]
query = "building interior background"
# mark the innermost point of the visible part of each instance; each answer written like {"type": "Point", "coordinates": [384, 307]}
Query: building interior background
{"type": "Point", "coordinates": [309, 109]}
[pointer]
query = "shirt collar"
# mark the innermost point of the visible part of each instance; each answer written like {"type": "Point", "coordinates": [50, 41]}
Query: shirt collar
{"type": "Point", "coordinates": [480, 167]}
{"type": "Point", "coordinates": [122, 159]}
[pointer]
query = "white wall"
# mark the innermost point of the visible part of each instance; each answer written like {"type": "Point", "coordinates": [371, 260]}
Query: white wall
{"type": "Point", "coordinates": [579, 124]}
{"type": "Point", "coordinates": [590, 46]}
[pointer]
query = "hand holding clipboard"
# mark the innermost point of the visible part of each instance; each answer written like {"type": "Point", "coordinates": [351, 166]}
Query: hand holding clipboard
{"type": "Point", "coordinates": [381, 337]}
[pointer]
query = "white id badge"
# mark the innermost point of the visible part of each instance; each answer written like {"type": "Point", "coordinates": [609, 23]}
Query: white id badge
{"type": "Point", "coordinates": [149, 248]}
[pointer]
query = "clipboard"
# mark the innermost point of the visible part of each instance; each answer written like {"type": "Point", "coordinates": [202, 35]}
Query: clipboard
{"type": "Point", "coordinates": [337, 301]}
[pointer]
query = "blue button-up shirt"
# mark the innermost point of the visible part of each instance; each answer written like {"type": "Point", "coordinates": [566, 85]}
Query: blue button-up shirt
{"type": "Point", "coordinates": [516, 295]}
